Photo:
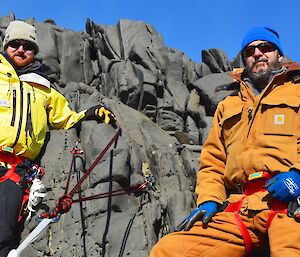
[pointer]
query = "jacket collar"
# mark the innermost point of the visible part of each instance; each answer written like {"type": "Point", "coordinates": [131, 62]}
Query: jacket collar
{"type": "Point", "coordinates": [238, 74]}
{"type": "Point", "coordinates": [35, 78]}
{"type": "Point", "coordinates": [32, 73]}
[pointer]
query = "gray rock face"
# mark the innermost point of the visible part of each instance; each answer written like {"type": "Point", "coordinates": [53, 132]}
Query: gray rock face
{"type": "Point", "coordinates": [164, 104]}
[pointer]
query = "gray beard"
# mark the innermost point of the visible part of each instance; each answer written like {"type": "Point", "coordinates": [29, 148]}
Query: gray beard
{"type": "Point", "coordinates": [261, 79]}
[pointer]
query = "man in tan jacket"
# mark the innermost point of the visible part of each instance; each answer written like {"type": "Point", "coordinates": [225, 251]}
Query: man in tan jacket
{"type": "Point", "coordinates": [250, 164]}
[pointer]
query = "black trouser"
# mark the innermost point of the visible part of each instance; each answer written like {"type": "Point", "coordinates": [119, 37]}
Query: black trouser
{"type": "Point", "coordinates": [11, 196]}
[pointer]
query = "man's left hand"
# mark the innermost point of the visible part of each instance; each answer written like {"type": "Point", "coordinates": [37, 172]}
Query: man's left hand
{"type": "Point", "coordinates": [285, 186]}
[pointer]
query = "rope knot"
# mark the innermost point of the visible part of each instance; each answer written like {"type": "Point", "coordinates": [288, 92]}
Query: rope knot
{"type": "Point", "coordinates": [64, 204]}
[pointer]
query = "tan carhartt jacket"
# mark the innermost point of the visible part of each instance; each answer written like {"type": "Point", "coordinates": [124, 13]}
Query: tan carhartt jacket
{"type": "Point", "coordinates": [250, 134]}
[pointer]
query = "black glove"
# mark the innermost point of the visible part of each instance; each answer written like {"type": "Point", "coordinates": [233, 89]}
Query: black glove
{"type": "Point", "coordinates": [100, 114]}
{"type": "Point", "coordinates": [203, 213]}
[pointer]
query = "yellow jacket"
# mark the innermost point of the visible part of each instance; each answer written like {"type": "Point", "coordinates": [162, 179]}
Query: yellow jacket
{"type": "Point", "coordinates": [250, 134]}
{"type": "Point", "coordinates": [27, 105]}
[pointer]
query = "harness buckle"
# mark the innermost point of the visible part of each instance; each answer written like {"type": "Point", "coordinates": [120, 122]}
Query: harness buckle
{"type": "Point", "coordinates": [294, 208]}
{"type": "Point", "coordinates": [255, 175]}
{"type": "Point", "coordinates": [258, 175]}
{"type": "Point", "coordinates": [6, 149]}
{"type": "Point", "coordinates": [255, 182]}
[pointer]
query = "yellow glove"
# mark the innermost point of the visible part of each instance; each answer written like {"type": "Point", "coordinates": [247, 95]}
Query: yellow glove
{"type": "Point", "coordinates": [105, 115]}
{"type": "Point", "coordinates": [100, 114]}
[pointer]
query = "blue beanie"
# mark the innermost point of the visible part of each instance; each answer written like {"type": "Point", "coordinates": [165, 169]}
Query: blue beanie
{"type": "Point", "coordinates": [262, 33]}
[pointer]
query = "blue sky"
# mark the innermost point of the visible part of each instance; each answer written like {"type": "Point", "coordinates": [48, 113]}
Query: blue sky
{"type": "Point", "coordinates": [188, 25]}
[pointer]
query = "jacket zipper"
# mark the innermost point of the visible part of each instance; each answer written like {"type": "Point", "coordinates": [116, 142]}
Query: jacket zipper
{"type": "Point", "coordinates": [21, 115]}
{"type": "Point", "coordinates": [254, 111]}
{"type": "Point", "coordinates": [13, 118]}
{"type": "Point", "coordinates": [28, 120]}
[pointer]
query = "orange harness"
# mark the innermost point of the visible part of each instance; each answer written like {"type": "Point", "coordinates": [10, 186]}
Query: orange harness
{"type": "Point", "coordinates": [7, 156]}
{"type": "Point", "coordinates": [255, 184]}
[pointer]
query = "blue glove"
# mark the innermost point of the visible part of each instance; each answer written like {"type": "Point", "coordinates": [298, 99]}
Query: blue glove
{"type": "Point", "coordinates": [204, 213]}
{"type": "Point", "coordinates": [285, 186]}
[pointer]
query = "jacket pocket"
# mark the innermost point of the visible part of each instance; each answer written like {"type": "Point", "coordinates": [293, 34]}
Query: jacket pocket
{"type": "Point", "coordinates": [230, 119]}
{"type": "Point", "coordinates": [280, 116]}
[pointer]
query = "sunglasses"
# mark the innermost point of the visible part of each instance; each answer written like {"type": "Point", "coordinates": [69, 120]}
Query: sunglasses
{"type": "Point", "coordinates": [263, 47]}
{"type": "Point", "coordinates": [27, 46]}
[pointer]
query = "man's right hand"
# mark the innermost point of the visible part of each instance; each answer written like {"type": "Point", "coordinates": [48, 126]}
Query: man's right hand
{"type": "Point", "coordinates": [285, 186]}
{"type": "Point", "coordinates": [101, 114]}
{"type": "Point", "coordinates": [204, 213]}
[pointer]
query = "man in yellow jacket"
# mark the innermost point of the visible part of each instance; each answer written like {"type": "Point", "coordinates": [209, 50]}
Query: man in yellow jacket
{"type": "Point", "coordinates": [249, 180]}
{"type": "Point", "coordinates": [27, 105]}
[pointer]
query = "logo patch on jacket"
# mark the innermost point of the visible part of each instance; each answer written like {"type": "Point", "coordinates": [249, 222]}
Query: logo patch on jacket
{"type": "Point", "coordinates": [4, 103]}
{"type": "Point", "coordinates": [279, 119]}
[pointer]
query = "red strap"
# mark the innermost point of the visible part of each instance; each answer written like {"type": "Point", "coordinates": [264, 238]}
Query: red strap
{"type": "Point", "coordinates": [255, 186]}
{"type": "Point", "coordinates": [271, 217]}
{"type": "Point", "coordinates": [235, 208]}
{"type": "Point", "coordinates": [24, 201]}
{"type": "Point", "coordinates": [10, 174]}
{"type": "Point", "coordinates": [11, 158]}
{"type": "Point", "coordinates": [277, 207]}
{"type": "Point", "coordinates": [245, 233]}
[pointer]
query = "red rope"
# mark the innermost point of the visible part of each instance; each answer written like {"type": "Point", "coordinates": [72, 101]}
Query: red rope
{"type": "Point", "coordinates": [74, 151]}
{"type": "Point", "coordinates": [64, 203]}
{"type": "Point", "coordinates": [70, 172]}
{"type": "Point", "coordinates": [133, 189]}
{"type": "Point", "coordinates": [88, 172]}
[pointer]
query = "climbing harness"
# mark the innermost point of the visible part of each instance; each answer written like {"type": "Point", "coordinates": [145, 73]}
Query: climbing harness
{"type": "Point", "coordinates": [255, 183]}
{"type": "Point", "coordinates": [7, 156]}
{"type": "Point", "coordinates": [30, 183]}
{"type": "Point", "coordinates": [31, 177]}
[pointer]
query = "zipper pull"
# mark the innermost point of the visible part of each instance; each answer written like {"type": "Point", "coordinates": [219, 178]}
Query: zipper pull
{"type": "Point", "coordinates": [250, 109]}
{"type": "Point", "coordinates": [9, 84]}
